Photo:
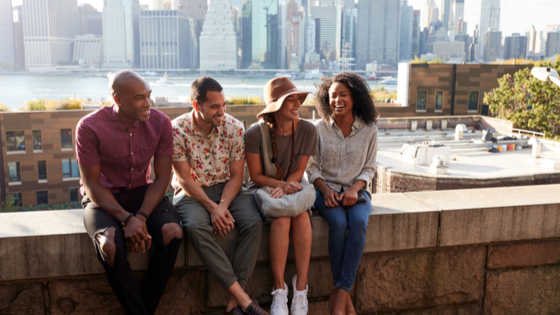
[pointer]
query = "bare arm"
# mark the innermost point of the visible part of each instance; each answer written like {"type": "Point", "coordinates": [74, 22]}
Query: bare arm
{"type": "Point", "coordinates": [157, 190]}
{"type": "Point", "coordinates": [279, 188]}
{"type": "Point", "coordinates": [233, 186]}
{"type": "Point", "coordinates": [222, 221]}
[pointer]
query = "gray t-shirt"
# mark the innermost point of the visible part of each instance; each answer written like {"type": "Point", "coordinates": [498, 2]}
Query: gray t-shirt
{"type": "Point", "coordinates": [305, 145]}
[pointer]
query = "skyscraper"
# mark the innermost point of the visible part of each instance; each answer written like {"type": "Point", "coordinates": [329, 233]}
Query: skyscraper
{"type": "Point", "coordinates": [196, 10]}
{"type": "Point", "coordinates": [378, 24]}
{"type": "Point", "coordinates": [492, 45]}
{"type": "Point", "coordinates": [489, 20]}
{"type": "Point", "coordinates": [260, 34]}
{"type": "Point", "coordinates": [330, 17]}
{"type": "Point", "coordinates": [7, 49]}
{"type": "Point", "coordinates": [445, 13]}
{"type": "Point", "coordinates": [415, 34]}
{"type": "Point", "coordinates": [121, 33]}
{"type": "Point", "coordinates": [166, 40]}
{"type": "Point", "coordinates": [515, 46]}
{"type": "Point", "coordinates": [553, 43]}
{"type": "Point", "coordinates": [18, 37]}
{"type": "Point", "coordinates": [429, 14]}
{"type": "Point", "coordinates": [90, 20]}
{"type": "Point", "coordinates": [218, 41]}
{"type": "Point", "coordinates": [456, 16]}
{"type": "Point", "coordinates": [532, 41]}
{"type": "Point", "coordinates": [49, 28]}
{"type": "Point", "coordinates": [407, 20]}
{"type": "Point", "coordinates": [466, 39]}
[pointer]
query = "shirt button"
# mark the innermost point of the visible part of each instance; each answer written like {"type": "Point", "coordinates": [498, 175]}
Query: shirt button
{"type": "Point", "coordinates": [131, 134]}
{"type": "Point", "coordinates": [131, 153]}
{"type": "Point", "coordinates": [129, 185]}
{"type": "Point", "coordinates": [132, 169]}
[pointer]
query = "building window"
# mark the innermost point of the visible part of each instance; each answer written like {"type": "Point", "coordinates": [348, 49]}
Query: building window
{"type": "Point", "coordinates": [439, 101]}
{"type": "Point", "coordinates": [15, 141]}
{"type": "Point", "coordinates": [74, 195]}
{"type": "Point", "coordinates": [473, 101]}
{"type": "Point", "coordinates": [37, 141]}
{"type": "Point", "coordinates": [70, 168]}
{"type": "Point", "coordinates": [421, 100]}
{"type": "Point", "coordinates": [66, 138]}
{"type": "Point", "coordinates": [13, 170]}
{"type": "Point", "coordinates": [42, 167]}
{"type": "Point", "coordinates": [17, 201]}
{"type": "Point", "coordinates": [42, 197]}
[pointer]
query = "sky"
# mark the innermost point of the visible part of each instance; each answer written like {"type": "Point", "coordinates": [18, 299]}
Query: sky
{"type": "Point", "coordinates": [517, 16]}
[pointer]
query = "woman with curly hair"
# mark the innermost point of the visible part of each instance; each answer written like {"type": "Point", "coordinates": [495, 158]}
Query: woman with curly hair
{"type": "Point", "coordinates": [342, 171]}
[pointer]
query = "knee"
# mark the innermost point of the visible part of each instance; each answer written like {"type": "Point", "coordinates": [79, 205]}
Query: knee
{"type": "Point", "coordinates": [338, 226]}
{"type": "Point", "coordinates": [359, 224]}
{"type": "Point", "coordinates": [107, 245]}
{"type": "Point", "coordinates": [170, 231]}
{"type": "Point", "coordinates": [282, 223]}
{"type": "Point", "coordinates": [196, 230]}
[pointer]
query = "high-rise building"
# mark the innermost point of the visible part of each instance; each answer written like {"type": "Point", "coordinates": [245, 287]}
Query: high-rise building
{"type": "Point", "coordinates": [415, 51]}
{"type": "Point", "coordinates": [90, 20]}
{"type": "Point", "coordinates": [456, 16]}
{"type": "Point", "coordinates": [283, 34]}
{"type": "Point", "coordinates": [492, 45]}
{"type": "Point", "coordinates": [350, 29]}
{"type": "Point", "coordinates": [553, 43]}
{"type": "Point", "coordinates": [445, 13]}
{"type": "Point", "coordinates": [18, 38]}
{"type": "Point", "coordinates": [166, 40]}
{"type": "Point", "coordinates": [431, 13]}
{"type": "Point", "coordinates": [489, 20]}
{"type": "Point", "coordinates": [49, 28]}
{"type": "Point", "coordinates": [260, 34]}
{"type": "Point", "coordinates": [121, 33]}
{"type": "Point", "coordinates": [88, 50]}
{"type": "Point", "coordinates": [406, 28]}
{"type": "Point", "coordinates": [515, 46]}
{"type": "Point", "coordinates": [331, 30]}
{"type": "Point", "coordinates": [378, 25]}
{"type": "Point", "coordinates": [196, 10]}
{"type": "Point", "coordinates": [450, 51]}
{"type": "Point", "coordinates": [531, 46]}
{"type": "Point", "coordinates": [7, 49]}
{"type": "Point", "coordinates": [466, 40]}
{"type": "Point", "coordinates": [218, 40]}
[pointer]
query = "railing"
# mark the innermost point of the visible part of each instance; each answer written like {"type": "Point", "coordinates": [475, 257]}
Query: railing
{"type": "Point", "coordinates": [520, 131]}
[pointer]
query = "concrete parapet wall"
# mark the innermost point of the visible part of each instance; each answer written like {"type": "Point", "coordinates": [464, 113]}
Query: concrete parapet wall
{"type": "Point", "coordinates": [476, 251]}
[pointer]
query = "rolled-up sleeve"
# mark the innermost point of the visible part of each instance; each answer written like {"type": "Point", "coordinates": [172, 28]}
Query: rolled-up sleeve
{"type": "Point", "coordinates": [368, 171]}
{"type": "Point", "coordinates": [165, 145]}
{"type": "Point", "coordinates": [314, 163]}
{"type": "Point", "coordinates": [87, 145]}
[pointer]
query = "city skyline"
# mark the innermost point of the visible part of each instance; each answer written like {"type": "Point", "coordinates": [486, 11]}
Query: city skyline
{"type": "Point", "coordinates": [513, 18]}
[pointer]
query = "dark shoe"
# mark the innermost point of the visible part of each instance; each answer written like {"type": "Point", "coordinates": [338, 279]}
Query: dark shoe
{"type": "Point", "coordinates": [254, 309]}
{"type": "Point", "coordinates": [235, 311]}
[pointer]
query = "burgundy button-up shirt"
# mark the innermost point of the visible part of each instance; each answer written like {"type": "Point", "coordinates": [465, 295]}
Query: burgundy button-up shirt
{"type": "Point", "coordinates": [124, 151]}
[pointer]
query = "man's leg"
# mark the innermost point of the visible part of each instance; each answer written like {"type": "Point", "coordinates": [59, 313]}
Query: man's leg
{"type": "Point", "coordinates": [108, 237]}
{"type": "Point", "coordinates": [167, 234]}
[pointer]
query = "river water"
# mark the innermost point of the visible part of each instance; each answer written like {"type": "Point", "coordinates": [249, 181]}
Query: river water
{"type": "Point", "coordinates": [15, 90]}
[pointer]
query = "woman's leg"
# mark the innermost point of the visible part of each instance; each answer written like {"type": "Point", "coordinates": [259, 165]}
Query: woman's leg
{"type": "Point", "coordinates": [336, 218]}
{"type": "Point", "coordinates": [302, 235]}
{"type": "Point", "coordinates": [278, 244]}
{"type": "Point", "coordinates": [358, 217]}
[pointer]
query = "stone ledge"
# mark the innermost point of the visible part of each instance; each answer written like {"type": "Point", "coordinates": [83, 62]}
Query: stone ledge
{"type": "Point", "coordinates": [44, 244]}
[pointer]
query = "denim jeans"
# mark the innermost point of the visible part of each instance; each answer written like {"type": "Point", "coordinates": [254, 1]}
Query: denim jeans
{"type": "Point", "coordinates": [347, 238]}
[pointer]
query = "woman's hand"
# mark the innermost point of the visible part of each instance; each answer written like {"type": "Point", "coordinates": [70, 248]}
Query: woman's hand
{"type": "Point", "coordinates": [331, 198]}
{"type": "Point", "coordinates": [292, 188]}
{"type": "Point", "coordinates": [276, 192]}
{"type": "Point", "coordinates": [350, 197]}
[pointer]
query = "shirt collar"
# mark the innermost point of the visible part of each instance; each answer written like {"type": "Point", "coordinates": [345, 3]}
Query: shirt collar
{"type": "Point", "coordinates": [122, 124]}
{"type": "Point", "coordinates": [356, 125]}
{"type": "Point", "coordinates": [196, 130]}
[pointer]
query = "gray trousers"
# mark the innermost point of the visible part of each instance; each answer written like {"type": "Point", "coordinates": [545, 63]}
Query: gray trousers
{"type": "Point", "coordinates": [196, 222]}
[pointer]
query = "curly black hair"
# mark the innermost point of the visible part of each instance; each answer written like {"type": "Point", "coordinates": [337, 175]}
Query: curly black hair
{"type": "Point", "coordinates": [364, 107]}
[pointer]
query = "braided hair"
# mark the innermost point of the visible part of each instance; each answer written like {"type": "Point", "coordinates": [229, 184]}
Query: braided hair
{"type": "Point", "coordinates": [271, 122]}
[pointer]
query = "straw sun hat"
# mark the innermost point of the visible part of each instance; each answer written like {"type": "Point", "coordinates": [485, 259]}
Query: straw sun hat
{"type": "Point", "coordinates": [276, 91]}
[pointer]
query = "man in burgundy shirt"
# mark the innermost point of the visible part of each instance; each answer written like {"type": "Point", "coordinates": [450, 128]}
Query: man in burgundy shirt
{"type": "Point", "coordinates": [124, 209]}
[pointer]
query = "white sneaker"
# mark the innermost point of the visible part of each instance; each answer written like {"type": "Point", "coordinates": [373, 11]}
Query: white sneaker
{"type": "Point", "coordinates": [300, 306]}
{"type": "Point", "coordinates": [279, 304]}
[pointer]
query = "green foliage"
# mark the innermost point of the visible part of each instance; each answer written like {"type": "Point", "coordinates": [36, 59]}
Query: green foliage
{"type": "Point", "coordinates": [60, 206]}
{"type": "Point", "coordinates": [66, 104]}
{"type": "Point", "coordinates": [380, 94]}
{"type": "Point", "coordinates": [436, 61]}
{"type": "Point", "coordinates": [4, 108]}
{"type": "Point", "coordinates": [243, 100]}
{"type": "Point", "coordinates": [230, 72]}
{"type": "Point", "coordinates": [418, 60]}
{"type": "Point", "coordinates": [8, 205]}
{"type": "Point", "coordinates": [34, 105]}
{"type": "Point", "coordinates": [192, 71]}
{"type": "Point", "coordinates": [528, 102]}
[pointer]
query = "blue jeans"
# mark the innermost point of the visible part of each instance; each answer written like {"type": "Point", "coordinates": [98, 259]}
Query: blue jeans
{"type": "Point", "coordinates": [347, 238]}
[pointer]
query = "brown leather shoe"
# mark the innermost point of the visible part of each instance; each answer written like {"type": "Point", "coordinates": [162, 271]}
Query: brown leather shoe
{"type": "Point", "coordinates": [350, 310]}
{"type": "Point", "coordinates": [338, 302]}
{"type": "Point", "coordinates": [255, 309]}
{"type": "Point", "coordinates": [235, 311]}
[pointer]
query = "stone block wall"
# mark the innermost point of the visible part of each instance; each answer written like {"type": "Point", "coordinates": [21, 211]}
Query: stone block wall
{"type": "Point", "coordinates": [441, 252]}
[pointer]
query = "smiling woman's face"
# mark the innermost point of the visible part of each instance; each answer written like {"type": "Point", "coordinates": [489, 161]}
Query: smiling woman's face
{"type": "Point", "coordinates": [340, 99]}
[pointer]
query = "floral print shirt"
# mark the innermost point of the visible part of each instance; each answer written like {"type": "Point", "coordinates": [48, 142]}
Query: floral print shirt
{"type": "Point", "coordinates": [208, 155]}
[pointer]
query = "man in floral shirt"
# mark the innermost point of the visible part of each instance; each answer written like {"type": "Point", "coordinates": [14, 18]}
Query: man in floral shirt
{"type": "Point", "coordinates": [209, 162]}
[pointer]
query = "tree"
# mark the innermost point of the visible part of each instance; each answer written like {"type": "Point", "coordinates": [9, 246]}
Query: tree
{"type": "Point", "coordinates": [8, 205]}
{"type": "Point", "coordinates": [529, 103]}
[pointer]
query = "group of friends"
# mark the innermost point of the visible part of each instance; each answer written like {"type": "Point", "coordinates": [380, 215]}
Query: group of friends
{"type": "Point", "coordinates": [202, 154]}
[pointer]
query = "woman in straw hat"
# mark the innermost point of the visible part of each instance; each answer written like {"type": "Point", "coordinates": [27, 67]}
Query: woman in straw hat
{"type": "Point", "coordinates": [293, 141]}
{"type": "Point", "coordinates": [342, 171]}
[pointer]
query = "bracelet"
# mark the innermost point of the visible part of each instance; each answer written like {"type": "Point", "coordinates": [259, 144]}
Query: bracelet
{"type": "Point", "coordinates": [125, 221]}
{"type": "Point", "coordinates": [142, 213]}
